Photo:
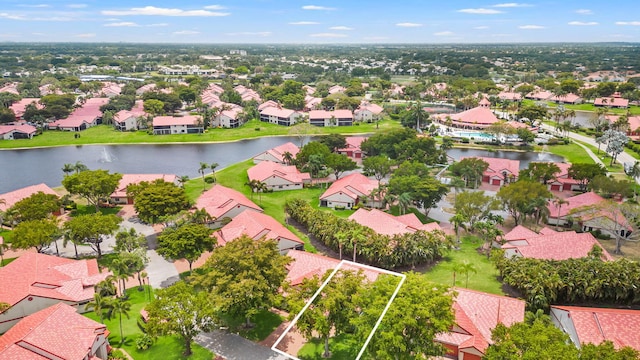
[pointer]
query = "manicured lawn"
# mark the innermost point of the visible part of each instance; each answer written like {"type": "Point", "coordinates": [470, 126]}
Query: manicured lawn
{"type": "Point", "coordinates": [572, 153]}
{"type": "Point", "coordinates": [485, 278]}
{"type": "Point", "coordinates": [7, 235]}
{"type": "Point", "coordinates": [90, 209]}
{"type": "Point", "coordinates": [265, 323]}
{"type": "Point", "coordinates": [105, 134]}
{"type": "Point", "coordinates": [342, 347]}
{"type": "Point", "coordinates": [165, 348]}
{"type": "Point", "coordinates": [606, 159]}
{"type": "Point", "coordinates": [6, 261]}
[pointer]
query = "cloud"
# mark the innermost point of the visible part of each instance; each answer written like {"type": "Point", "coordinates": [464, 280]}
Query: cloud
{"type": "Point", "coordinates": [122, 24]}
{"type": "Point", "coordinates": [482, 27]}
{"type": "Point", "coordinates": [158, 25]}
{"type": "Point", "coordinates": [481, 11]}
{"type": "Point", "coordinates": [36, 6]}
{"type": "Point", "coordinates": [156, 11]}
{"type": "Point", "coordinates": [215, 7]}
{"type": "Point", "coordinates": [186, 32]}
{"type": "Point", "coordinates": [316, 7]}
{"type": "Point", "coordinates": [328, 35]}
{"type": "Point", "coordinates": [531, 27]}
{"type": "Point", "coordinates": [304, 23]}
{"type": "Point", "coordinates": [86, 35]}
{"type": "Point", "coordinates": [444, 33]}
{"type": "Point", "coordinates": [584, 12]}
{"type": "Point", "coordinates": [77, 6]}
{"type": "Point", "coordinates": [346, 28]}
{"type": "Point", "coordinates": [629, 23]}
{"type": "Point", "coordinates": [408, 24]}
{"type": "Point", "coordinates": [251, 33]}
{"type": "Point", "coordinates": [10, 16]}
{"type": "Point", "coordinates": [511, 5]}
{"type": "Point", "coordinates": [582, 23]}
{"type": "Point", "coordinates": [376, 38]}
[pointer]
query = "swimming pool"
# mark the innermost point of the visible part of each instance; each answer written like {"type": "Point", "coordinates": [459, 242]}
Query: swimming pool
{"type": "Point", "coordinates": [471, 134]}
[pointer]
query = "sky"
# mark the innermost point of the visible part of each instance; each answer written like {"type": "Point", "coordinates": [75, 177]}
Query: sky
{"type": "Point", "coordinates": [301, 21]}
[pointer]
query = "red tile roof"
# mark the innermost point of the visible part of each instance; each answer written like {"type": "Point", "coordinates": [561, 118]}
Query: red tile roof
{"type": "Point", "coordinates": [170, 120]}
{"type": "Point", "coordinates": [26, 129]}
{"type": "Point", "coordinates": [266, 169]}
{"type": "Point", "coordinates": [13, 197]}
{"type": "Point", "coordinates": [277, 112]}
{"type": "Point", "coordinates": [324, 114]}
{"type": "Point", "coordinates": [513, 96]}
{"type": "Point", "coordinates": [477, 314]}
{"type": "Point", "coordinates": [540, 95]}
{"type": "Point", "coordinates": [19, 107]}
{"type": "Point", "coordinates": [128, 179]}
{"type": "Point", "coordinates": [353, 143]}
{"type": "Point", "coordinates": [373, 108]}
{"type": "Point", "coordinates": [477, 116]}
{"type": "Point", "coordinates": [498, 165]}
{"type": "Point", "coordinates": [352, 185]}
{"type": "Point", "coordinates": [567, 98]}
{"type": "Point", "coordinates": [91, 107]}
{"type": "Point", "coordinates": [558, 246]}
{"type": "Point", "coordinates": [57, 330]}
{"type": "Point", "coordinates": [387, 224]}
{"type": "Point", "coordinates": [611, 101]}
{"type": "Point", "coordinates": [595, 325]}
{"type": "Point", "coordinates": [519, 233]}
{"type": "Point", "coordinates": [65, 279]}
{"type": "Point", "coordinates": [278, 151]}
{"type": "Point", "coordinates": [574, 202]}
{"type": "Point", "coordinates": [73, 121]}
{"type": "Point", "coordinates": [306, 265]}
{"type": "Point", "coordinates": [219, 200]}
{"type": "Point", "coordinates": [256, 226]}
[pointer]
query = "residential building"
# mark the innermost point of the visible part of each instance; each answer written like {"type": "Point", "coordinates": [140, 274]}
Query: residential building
{"type": "Point", "coordinates": [368, 112]}
{"type": "Point", "coordinates": [10, 88]}
{"type": "Point", "coordinates": [612, 102]}
{"type": "Point", "coordinates": [386, 224]}
{"type": "Point", "coordinates": [477, 118]}
{"type": "Point", "coordinates": [306, 265]}
{"type": "Point", "coordinates": [12, 197]}
{"type": "Point", "coordinates": [20, 106]}
{"type": "Point", "coordinates": [476, 315]}
{"type": "Point", "coordinates": [509, 96]}
{"type": "Point", "coordinates": [349, 191]}
{"type": "Point", "coordinates": [279, 115]}
{"type": "Point", "coordinates": [277, 154]}
{"type": "Point", "coordinates": [190, 124]}
{"type": "Point", "coordinates": [500, 171]}
{"type": "Point", "coordinates": [15, 132]}
{"type": "Point", "coordinates": [259, 226]}
{"type": "Point", "coordinates": [324, 118]}
{"type": "Point", "coordinates": [221, 203]}
{"type": "Point", "coordinates": [36, 281]}
{"type": "Point", "coordinates": [353, 147]}
{"type": "Point", "coordinates": [82, 118]}
{"type": "Point", "coordinates": [56, 332]}
{"type": "Point", "coordinates": [539, 95]}
{"type": "Point", "coordinates": [337, 89]}
{"type": "Point", "coordinates": [128, 120]}
{"type": "Point", "coordinates": [278, 177]}
{"type": "Point", "coordinates": [586, 325]}
{"type": "Point", "coordinates": [119, 196]}
{"type": "Point", "coordinates": [566, 99]}
{"type": "Point", "coordinates": [229, 117]}
{"type": "Point", "coordinates": [633, 130]}
{"type": "Point", "coordinates": [562, 180]}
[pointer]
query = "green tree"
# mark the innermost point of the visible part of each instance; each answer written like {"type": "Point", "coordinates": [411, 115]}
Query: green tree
{"type": "Point", "coordinates": [68, 169]}
{"type": "Point", "coordinates": [157, 200]}
{"type": "Point", "coordinates": [36, 207]}
{"type": "Point", "coordinates": [475, 206]}
{"type": "Point", "coordinates": [38, 234]}
{"type": "Point", "coordinates": [334, 142]}
{"type": "Point", "coordinates": [153, 106]}
{"type": "Point", "coordinates": [312, 148]}
{"type": "Point", "coordinates": [539, 171]}
{"type": "Point", "coordinates": [377, 166]}
{"type": "Point", "coordinates": [413, 178]}
{"type": "Point", "coordinates": [244, 276]}
{"type": "Point", "coordinates": [183, 311]}
{"type": "Point", "coordinates": [519, 196]}
{"type": "Point", "coordinates": [470, 170]}
{"type": "Point", "coordinates": [525, 135]}
{"type": "Point", "coordinates": [339, 164]}
{"type": "Point", "coordinates": [584, 172]}
{"type": "Point", "coordinates": [188, 242]}
{"type": "Point", "coordinates": [91, 229]}
{"type": "Point", "coordinates": [99, 305]}
{"type": "Point", "coordinates": [201, 170]}
{"type": "Point", "coordinates": [93, 185]}
{"type": "Point", "coordinates": [120, 307]}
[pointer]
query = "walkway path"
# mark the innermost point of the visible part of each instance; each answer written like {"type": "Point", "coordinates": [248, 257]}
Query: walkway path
{"type": "Point", "coordinates": [235, 347]}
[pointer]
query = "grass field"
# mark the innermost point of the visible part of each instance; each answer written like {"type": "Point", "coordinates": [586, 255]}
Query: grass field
{"type": "Point", "coordinates": [105, 134]}
{"type": "Point", "coordinates": [265, 323]}
{"type": "Point", "coordinates": [343, 347]}
{"type": "Point", "coordinates": [165, 347]}
{"type": "Point", "coordinates": [572, 153]}
{"type": "Point", "coordinates": [7, 235]}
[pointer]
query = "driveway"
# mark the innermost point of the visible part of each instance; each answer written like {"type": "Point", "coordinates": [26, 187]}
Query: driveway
{"type": "Point", "coordinates": [235, 347]}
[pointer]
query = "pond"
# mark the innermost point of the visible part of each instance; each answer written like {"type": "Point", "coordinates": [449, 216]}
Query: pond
{"type": "Point", "coordinates": [19, 168]}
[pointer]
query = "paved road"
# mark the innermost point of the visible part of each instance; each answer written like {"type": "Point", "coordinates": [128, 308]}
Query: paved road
{"type": "Point", "coordinates": [235, 347]}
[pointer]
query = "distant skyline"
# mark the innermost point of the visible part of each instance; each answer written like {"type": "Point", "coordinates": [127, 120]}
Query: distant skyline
{"type": "Point", "coordinates": [301, 21]}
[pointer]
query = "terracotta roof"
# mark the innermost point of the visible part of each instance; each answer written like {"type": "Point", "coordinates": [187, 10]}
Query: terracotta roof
{"type": "Point", "coordinates": [219, 200]}
{"type": "Point", "coordinates": [634, 121]}
{"type": "Point", "coordinates": [19, 107]}
{"type": "Point", "coordinates": [324, 114]}
{"type": "Point", "coordinates": [57, 330]}
{"type": "Point", "coordinates": [611, 101]}
{"type": "Point", "coordinates": [353, 142]}
{"type": "Point", "coordinates": [540, 95]}
{"type": "Point", "coordinates": [128, 179]}
{"type": "Point", "coordinates": [352, 185]}
{"type": "Point", "coordinates": [498, 165]}
{"type": "Point", "coordinates": [256, 226]}
{"type": "Point", "coordinates": [595, 325]}
{"type": "Point", "coordinates": [91, 107]}
{"type": "Point", "coordinates": [10, 88]}
{"type": "Point", "coordinates": [484, 101]}
{"type": "Point", "coordinates": [574, 202]}
{"type": "Point", "coordinates": [513, 96]}
{"type": "Point", "coordinates": [266, 104]}
{"type": "Point", "coordinates": [373, 108]}
{"type": "Point", "coordinates": [477, 314]}
{"type": "Point", "coordinates": [73, 121]}
{"type": "Point", "coordinates": [279, 151]}
{"type": "Point", "coordinates": [558, 246]}
{"type": "Point", "coordinates": [266, 169]}
{"type": "Point", "coordinates": [477, 116]}
{"type": "Point", "coordinates": [65, 279]}
{"type": "Point", "coordinates": [568, 98]}
{"type": "Point", "coordinates": [387, 224]}
{"type": "Point", "coordinates": [519, 233]}
{"type": "Point", "coordinates": [336, 89]}
{"type": "Point", "coordinates": [13, 197]}
{"type": "Point", "coordinates": [277, 111]}
{"type": "Point", "coordinates": [26, 129]}
{"type": "Point", "coordinates": [306, 265]}
{"type": "Point", "coordinates": [170, 120]}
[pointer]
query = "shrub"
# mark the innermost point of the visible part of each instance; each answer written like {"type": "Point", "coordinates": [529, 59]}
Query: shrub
{"type": "Point", "coordinates": [339, 207]}
{"type": "Point", "coordinates": [144, 342]}
{"type": "Point", "coordinates": [553, 141]}
{"type": "Point", "coordinates": [209, 180]}
{"type": "Point", "coordinates": [567, 141]}
{"type": "Point", "coordinates": [117, 355]}
{"type": "Point", "coordinates": [465, 140]}
{"type": "Point", "coordinates": [257, 129]}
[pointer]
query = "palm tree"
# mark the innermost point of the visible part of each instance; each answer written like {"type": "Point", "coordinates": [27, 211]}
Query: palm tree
{"type": "Point", "coordinates": [253, 184]}
{"type": "Point", "coordinates": [404, 201]}
{"type": "Point", "coordinates": [558, 202]}
{"type": "Point", "coordinates": [260, 188]}
{"type": "Point", "coordinates": [79, 166]}
{"type": "Point", "coordinates": [213, 167]}
{"type": "Point", "coordinates": [120, 307]}
{"type": "Point", "coordinates": [203, 167]}
{"type": "Point", "coordinates": [458, 221]}
{"type": "Point", "coordinates": [200, 216]}
{"type": "Point", "coordinates": [106, 286]}
{"type": "Point", "coordinates": [287, 157]}
{"type": "Point", "coordinates": [99, 305]}
{"type": "Point", "coordinates": [418, 113]}
{"type": "Point", "coordinates": [466, 267]}
{"type": "Point", "coordinates": [68, 169]}
{"type": "Point", "coordinates": [3, 248]}
{"type": "Point", "coordinates": [182, 180]}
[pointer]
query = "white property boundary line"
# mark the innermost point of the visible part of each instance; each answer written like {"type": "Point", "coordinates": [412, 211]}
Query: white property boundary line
{"type": "Point", "coordinates": [306, 306]}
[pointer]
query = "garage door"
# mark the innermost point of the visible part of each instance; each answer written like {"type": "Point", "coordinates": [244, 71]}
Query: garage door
{"type": "Point", "coordinates": [495, 181]}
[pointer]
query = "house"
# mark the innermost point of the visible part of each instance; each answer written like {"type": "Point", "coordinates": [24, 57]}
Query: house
{"type": "Point", "coordinates": [387, 224]}
{"type": "Point", "coordinates": [550, 244]}
{"type": "Point", "coordinates": [484, 102]}
{"type": "Point", "coordinates": [350, 191]}
{"type": "Point", "coordinates": [562, 180]}
{"type": "Point", "coordinates": [259, 226]}
{"type": "Point", "coordinates": [222, 202]}
{"type": "Point", "coordinates": [84, 117]}
{"type": "Point", "coordinates": [228, 118]}
{"type": "Point", "coordinates": [633, 131]}
{"type": "Point", "coordinates": [268, 103]}
{"type": "Point", "coordinates": [612, 102]}
{"type": "Point", "coordinates": [10, 88]}
{"type": "Point", "coordinates": [277, 154]}
{"type": "Point", "coordinates": [306, 265]}
{"type": "Point", "coordinates": [368, 112]}
{"type": "Point", "coordinates": [190, 124]}
{"type": "Point", "coordinates": [145, 88]}
{"type": "Point", "coordinates": [12, 197]}
{"type": "Point", "coordinates": [278, 177]}
{"type": "Point", "coordinates": [279, 115]}
{"type": "Point", "coordinates": [335, 89]}
{"type": "Point", "coordinates": [580, 208]}
{"type": "Point", "coordinates": [324, 118]}
{"type": "Point", "coordinates": [36, 281]}
{"type": "Point", "coordinates": [539, 95]}
{"type": "Point", "coordinates": [566, 99]}
{"type": "Point", "coordinates": [500, 171]}
{"type": "Point", "coordinates": [14, 132]}
{"type": "Point", "coordinates": [312, 103]}
{"type": "Point", "coordinates": [119, 196]}
{"type": "Point", "coordinates": [586, 325]}
{"type": "Point", "coordinates": [57, 332]}
{"type": "Point", "coordinates": [477, 118]}
{"type": "Point", "coordinates": [110, 89]}
{"type": "Point", "coordinates": [19, 107]}
{"type": "Point", "coordinates": [509, 96]}
{"type": "Point", "coordinates": [353, 147]}
{"type": "Point", "coordinates": [127, 120]}
{"type": "Point", "coordinates": [476, 315]}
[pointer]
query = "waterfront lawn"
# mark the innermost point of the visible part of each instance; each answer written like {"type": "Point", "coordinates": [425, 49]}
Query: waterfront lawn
{"type": "Point", "coordinates": [486, 276]}
{"type": "Point", "coordinates": [165, 347]}
{"type": "Point", "coordinates": [572, 153]}
{"type": "Point", "coordinates": [105, 134]}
